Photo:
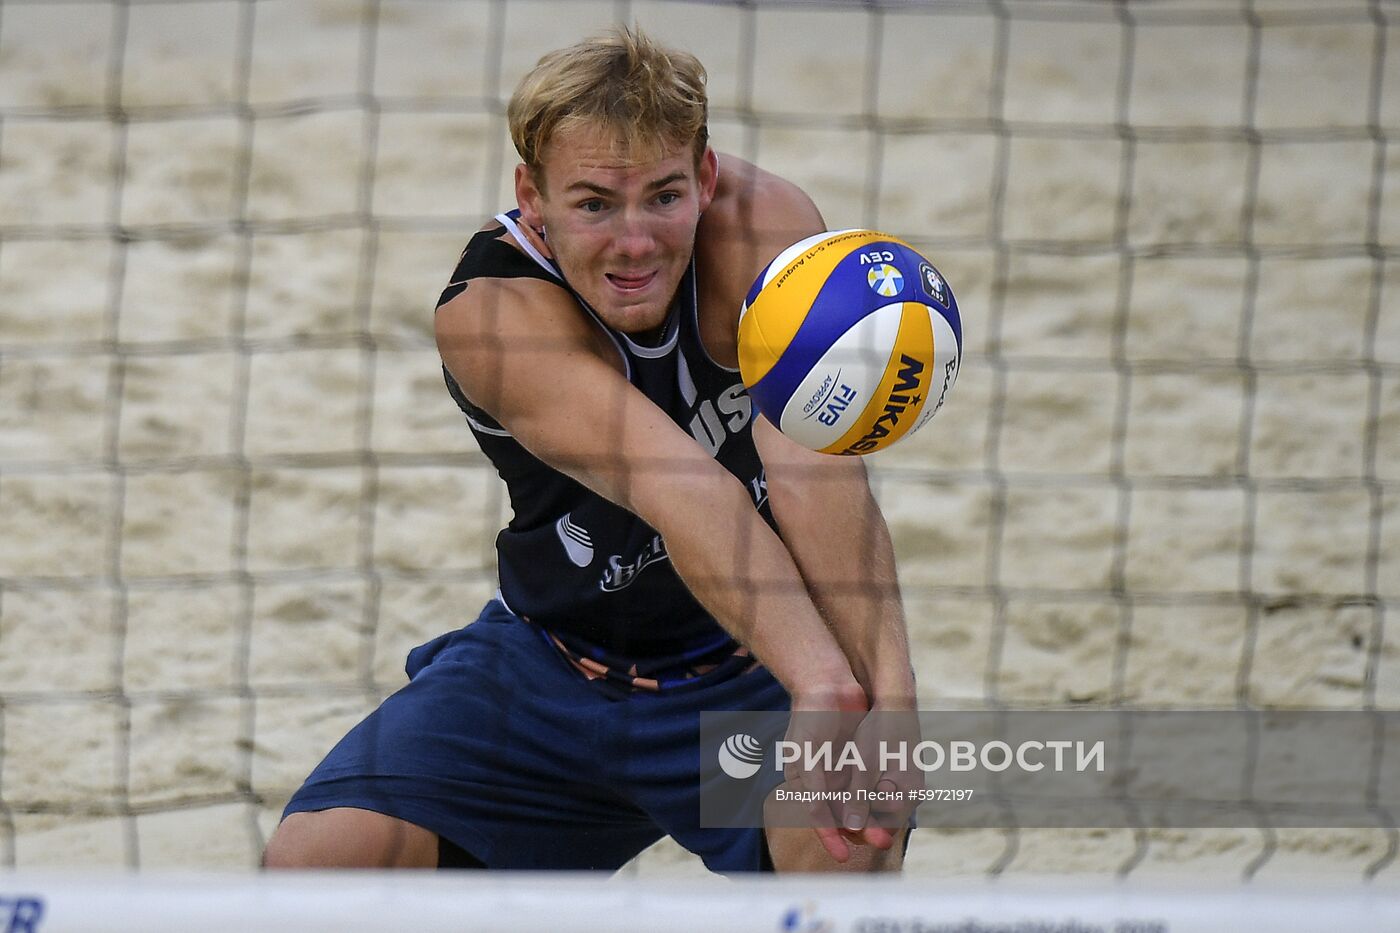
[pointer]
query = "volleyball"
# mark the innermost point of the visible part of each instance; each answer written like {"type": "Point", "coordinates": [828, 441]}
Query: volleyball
{"type": "Point", "coordinates": [849, 341]}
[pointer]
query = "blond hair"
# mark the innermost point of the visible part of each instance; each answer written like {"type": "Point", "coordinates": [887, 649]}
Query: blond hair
{"type": "Point", "coordinates": [650, 98]}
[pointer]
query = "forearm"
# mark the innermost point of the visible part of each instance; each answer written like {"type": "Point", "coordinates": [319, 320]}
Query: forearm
{"type": "Point", "coordinates": [742, 573]}
{"type": "Point", "coordinates": [866, 616]}
{"type": "Point", "coordinates": [842, 548]}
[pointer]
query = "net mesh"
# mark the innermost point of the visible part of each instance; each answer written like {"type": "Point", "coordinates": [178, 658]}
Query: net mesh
{"type": "Point", "coordinates": [1168, 476]}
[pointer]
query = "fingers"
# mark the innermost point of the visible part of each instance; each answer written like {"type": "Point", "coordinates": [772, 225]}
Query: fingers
{"type": "Point", "coordinates": [857, 801]}
{"type": "Point", "coordinates": [877, 836]}
{"type": "Point", "coordinates": [860, 779]}
{"type": "Point", "coordinates": [834, 843]}
{"type": "Point", "coordinates": [854, 816]}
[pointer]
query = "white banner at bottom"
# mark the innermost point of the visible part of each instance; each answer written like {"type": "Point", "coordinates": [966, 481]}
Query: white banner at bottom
{"type": "Point", "coordinates": [351, 902]}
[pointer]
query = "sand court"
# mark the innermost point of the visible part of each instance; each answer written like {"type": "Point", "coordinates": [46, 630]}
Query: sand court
{"type": "Point", "coordinates": [234, 492]}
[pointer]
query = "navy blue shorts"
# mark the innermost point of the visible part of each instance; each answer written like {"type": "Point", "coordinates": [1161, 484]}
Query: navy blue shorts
{"type": "Point", "coordinates": [504, 749]}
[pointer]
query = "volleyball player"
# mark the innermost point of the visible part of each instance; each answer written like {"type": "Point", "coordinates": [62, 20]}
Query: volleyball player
{"type": "Point", "coordinates": [670, 551]}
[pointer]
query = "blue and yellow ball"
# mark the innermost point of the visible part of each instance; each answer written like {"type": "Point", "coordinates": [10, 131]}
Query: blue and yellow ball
{"type": "Point", "coordinates": [849, 341]}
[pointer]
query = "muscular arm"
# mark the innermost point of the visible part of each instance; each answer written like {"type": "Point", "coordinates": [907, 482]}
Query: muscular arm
{"type": "Point", "coordinates": [836, 535]}
{"type": "Point", "coordinates": [522, 351]}
{"type": "Point", "coordinates": [829, 521]}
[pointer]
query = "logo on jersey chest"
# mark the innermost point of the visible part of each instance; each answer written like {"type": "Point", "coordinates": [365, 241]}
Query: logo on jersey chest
{"type": "Point", "coordinates": [715, 420]}
{"type": "Point", "coordinates": [576, 540]}
{"type": "Point", "coordinates": [621, 574]}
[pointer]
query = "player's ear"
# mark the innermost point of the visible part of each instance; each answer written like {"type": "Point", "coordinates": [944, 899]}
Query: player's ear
{"type": "Point", "coordinates": [708, 177]}
{"type": "Point", "coordinates": [528, 196]}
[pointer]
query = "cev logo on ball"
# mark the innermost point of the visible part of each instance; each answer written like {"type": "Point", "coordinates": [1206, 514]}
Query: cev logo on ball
{"type": "Point", "coordinates": [885, 279]}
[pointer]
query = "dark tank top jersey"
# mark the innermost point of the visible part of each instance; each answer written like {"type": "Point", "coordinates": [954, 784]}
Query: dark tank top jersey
{"type": "Point", "coordinates": [589, 572]}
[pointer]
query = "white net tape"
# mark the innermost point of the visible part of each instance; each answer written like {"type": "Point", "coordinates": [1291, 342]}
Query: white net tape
{"type": "Point", "coordinates": [373, 902]}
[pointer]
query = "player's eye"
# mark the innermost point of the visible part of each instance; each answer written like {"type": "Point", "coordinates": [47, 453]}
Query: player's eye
{"type": "Point", "coordinates": [668, 197]}
{"type": "Point", "coordinates": [592, 206]}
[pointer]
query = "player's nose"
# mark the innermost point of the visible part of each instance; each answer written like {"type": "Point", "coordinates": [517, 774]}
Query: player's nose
{"type": "Point", "coordinates": [635, 238]}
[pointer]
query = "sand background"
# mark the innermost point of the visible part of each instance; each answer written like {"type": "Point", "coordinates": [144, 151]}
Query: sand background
{"type": "Point", "coordinates": [233, 491]}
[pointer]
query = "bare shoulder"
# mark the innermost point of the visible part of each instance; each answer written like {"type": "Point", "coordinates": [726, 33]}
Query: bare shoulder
{"type": "Point", "coordinates": [757, 206]}
{"type": "Point", "coordinates": [523, 350]}
{"type": "Point", "coordinates": [502, 327]}
{"type": "Point", "coordinates": [754, 216]}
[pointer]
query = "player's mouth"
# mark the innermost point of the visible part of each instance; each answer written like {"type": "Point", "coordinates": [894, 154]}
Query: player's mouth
{"type": "Point", "coordinates": [631, 282]}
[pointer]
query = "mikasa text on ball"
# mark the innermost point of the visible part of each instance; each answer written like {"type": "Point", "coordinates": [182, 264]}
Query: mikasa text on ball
{"type": "Point", "coordinates": [849, 341]}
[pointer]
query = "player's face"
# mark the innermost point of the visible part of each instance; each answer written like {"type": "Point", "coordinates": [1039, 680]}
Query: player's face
{"type": "Point", "coordinates": [621, 232]}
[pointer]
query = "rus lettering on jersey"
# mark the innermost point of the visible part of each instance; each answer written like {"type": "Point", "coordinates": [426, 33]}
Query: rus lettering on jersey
{"type": "Point", "coordinates": [621, 574]}
{"type": "Point", "coordinates": [715, 420]}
